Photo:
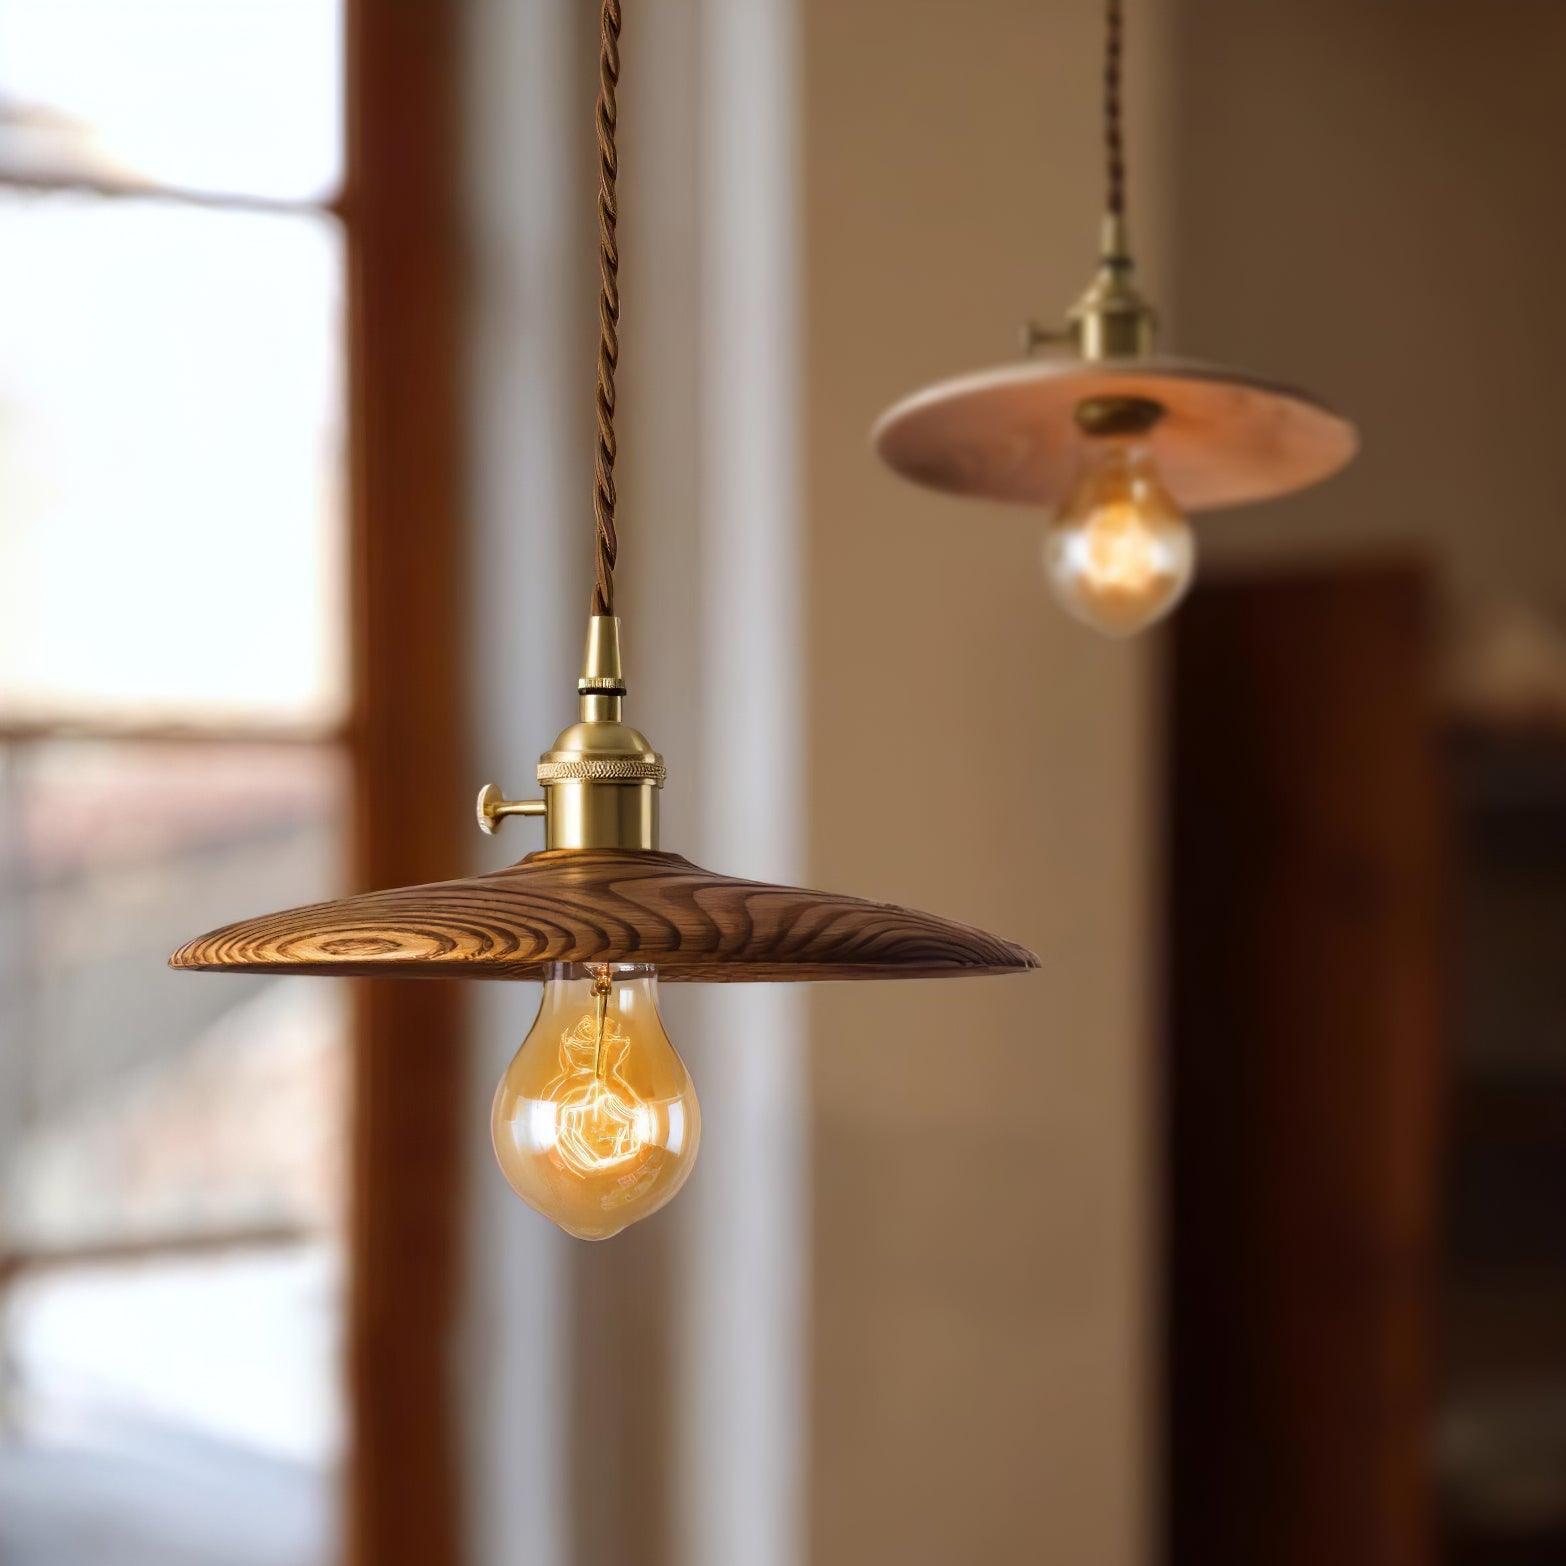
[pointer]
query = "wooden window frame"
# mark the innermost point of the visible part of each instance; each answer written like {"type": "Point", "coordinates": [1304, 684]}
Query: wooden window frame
{"type": "Point", "coordinates": [405, 746]}
{"type": "Point", "coordinates": [403, 1499]}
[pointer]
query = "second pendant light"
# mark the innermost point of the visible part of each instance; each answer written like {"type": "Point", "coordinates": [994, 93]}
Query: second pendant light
{"type": "Point", "coordinates": [1116, 442]}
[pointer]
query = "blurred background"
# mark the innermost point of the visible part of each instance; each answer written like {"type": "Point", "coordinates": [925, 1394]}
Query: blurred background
{"type": "Point", "coordinates": [1236, 1234]}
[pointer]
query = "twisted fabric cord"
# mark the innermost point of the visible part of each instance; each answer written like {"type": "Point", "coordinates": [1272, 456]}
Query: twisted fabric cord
{"type": "Point", "coordinates": [1114, 149]}
{"type": "Point", "coordinates": [606, 117]}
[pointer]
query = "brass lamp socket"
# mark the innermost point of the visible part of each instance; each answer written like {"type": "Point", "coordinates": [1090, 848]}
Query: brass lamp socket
{"type": "Point", "coordinates": [1111, 320]}
{"type": "Point", "coordinates": [601, 777]}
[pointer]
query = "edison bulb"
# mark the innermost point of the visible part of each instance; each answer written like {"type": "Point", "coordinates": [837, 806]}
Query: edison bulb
{"type": "Point", "coordinates": [595, 1123]}
{"type": "Point", "coordinates": [1120, 553]}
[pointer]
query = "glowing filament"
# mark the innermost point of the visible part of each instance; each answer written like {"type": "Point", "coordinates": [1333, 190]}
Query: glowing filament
{"type": "Point", "coordinates": [1122, 551]}
{"type": "Point", "coordinates": [599, 1119]}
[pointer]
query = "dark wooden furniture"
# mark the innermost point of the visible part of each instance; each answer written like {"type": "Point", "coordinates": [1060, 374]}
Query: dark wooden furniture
{"type": "Point", "coordinates": [1305, 915]}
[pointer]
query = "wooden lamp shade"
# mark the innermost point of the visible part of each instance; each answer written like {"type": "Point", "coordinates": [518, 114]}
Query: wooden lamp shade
{"type": "Point", "coordinates": [605, 906]}
{"type": "Point", "coordinates": [1225, 438]}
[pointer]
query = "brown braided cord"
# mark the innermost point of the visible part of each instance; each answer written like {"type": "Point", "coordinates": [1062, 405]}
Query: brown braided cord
{"type": "Point", "coordinates": [1114, 149]}
{"type": "Point", "coordinates": [606, 116]}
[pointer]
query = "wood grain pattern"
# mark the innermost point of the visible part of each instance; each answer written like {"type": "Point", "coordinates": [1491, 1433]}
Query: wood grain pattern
{"type": "Point", "coordinates": [577, 905]}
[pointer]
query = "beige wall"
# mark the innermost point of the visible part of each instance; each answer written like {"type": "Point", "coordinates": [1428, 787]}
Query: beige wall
{"type": "Point", "coordinates": [979, 1304]}
{"type": "Point", "coordinates": [970, 1251]}
{"type": "Point", "coordinates": [1365, 203]}
{"type": "Point", "coordinates": [1369, 200]}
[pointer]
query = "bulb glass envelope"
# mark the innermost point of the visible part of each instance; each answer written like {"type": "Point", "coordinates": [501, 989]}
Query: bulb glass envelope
{"type": "Point", "coordinates": [1224, 438]}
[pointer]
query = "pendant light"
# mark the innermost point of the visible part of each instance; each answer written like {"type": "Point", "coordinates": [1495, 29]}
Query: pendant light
{"type": "Point", "coordinates": [1117, 442]}
{"type": "Point", "coordinates": [595, 1122]}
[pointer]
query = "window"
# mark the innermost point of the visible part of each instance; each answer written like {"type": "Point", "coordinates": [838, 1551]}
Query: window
{"type": "Point", "coordinates": [174, 753]}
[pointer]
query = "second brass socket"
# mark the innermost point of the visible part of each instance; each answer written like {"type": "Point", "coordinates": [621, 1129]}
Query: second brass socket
{"type": "Point", "coordinates": [1112, 320]}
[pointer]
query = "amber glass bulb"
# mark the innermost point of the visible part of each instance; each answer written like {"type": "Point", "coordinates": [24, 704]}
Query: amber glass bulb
{"type": "Point", "coordinates": [1120, 553]}
{"type": "Point", "coordinates": [595, 1122]}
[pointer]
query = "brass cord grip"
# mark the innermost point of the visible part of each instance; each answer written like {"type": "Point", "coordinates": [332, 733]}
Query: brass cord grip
{"type": "Point", "coordinates": [601, 777]}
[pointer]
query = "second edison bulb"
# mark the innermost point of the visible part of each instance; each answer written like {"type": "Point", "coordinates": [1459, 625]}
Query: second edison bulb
{"type": "Point", "coordinates": [1119, 552]}
{"type": "Point", "coordinates": [595, 1123]}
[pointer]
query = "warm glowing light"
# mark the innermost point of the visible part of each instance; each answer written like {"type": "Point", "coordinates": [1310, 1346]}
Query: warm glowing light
{"type": "Point", "coordinates": [600, 1120]}
{"type": "Point", "coordinates": [1120, 553]}
{"type": "Point", "coordinates": [596, 1122]}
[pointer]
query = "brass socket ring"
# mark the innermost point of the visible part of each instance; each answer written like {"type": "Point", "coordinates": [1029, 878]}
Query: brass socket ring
{"type": "Point", "coordinates": [610, 769]}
